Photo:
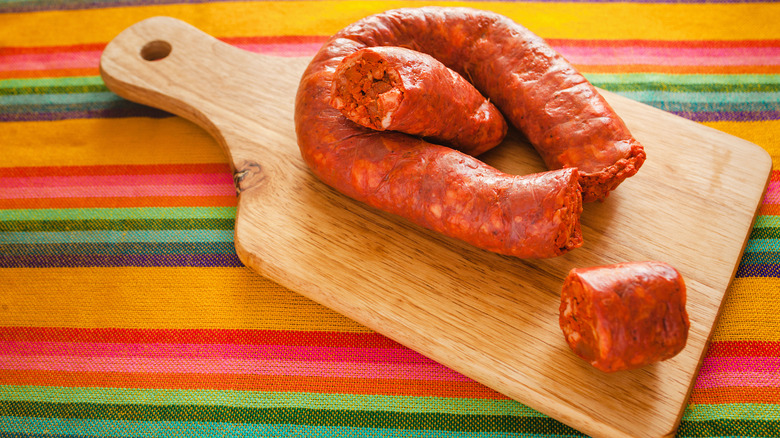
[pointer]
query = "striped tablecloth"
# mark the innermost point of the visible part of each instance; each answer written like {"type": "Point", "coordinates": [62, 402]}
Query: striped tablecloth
{"type": "Point", "coordinates": [124, 310]}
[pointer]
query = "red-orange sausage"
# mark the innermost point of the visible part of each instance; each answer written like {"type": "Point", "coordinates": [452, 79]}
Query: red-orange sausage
{"type": "Point", "coordinates": [562, 114]}
{"type": "Point", "coordinates": [397, 89]}
{"type": "Point", "coordinates": [435, 186]}
{"type": "Point", "coordinates": [624, 316]}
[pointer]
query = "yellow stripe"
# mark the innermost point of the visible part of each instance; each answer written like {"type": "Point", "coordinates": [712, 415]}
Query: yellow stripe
{"type": "Point", "coordinates": [85, 142]}
{"type": "Point", "coordinates": [751, 311]}
{"type": "Point", "coordinates": [765, 134]}
{"type": "Point", "coordinates": [549, 20]}
{"type": "Point", "coordinates": [180, 298]}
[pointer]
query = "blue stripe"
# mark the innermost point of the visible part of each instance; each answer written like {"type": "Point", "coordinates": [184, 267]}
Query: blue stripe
{"type": "Point", "coordinates": [763, 245]}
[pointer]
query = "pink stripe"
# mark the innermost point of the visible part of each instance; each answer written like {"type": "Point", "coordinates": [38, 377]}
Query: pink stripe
{"type": "Point", "coordinates": [724, 371]}
{"type": "Point", "coordinates": [577, 54]}
{"type": "Point", "coordinates": [232, 366]}
{"type": "Point", "coordinates": [297, 49]}
{"type": "Point", "coordinates": [748, 379]}
{"type": "Point", "coordinates": [118, 191]}
{"type": "Point", "coordinates": [203, 351]}
{"type": "Point", "coordinates": [772, 193]}
{"type": "Point", "coordinates": [45, 61]}
{"type": "Point", "coordinates": [607, 55]}
{"type": "Point", "coordinates": [740, 364]}
{"type": "Point", "coordinates": [91, 59]}
{"type": "Point", "coordinates": [117, 180]}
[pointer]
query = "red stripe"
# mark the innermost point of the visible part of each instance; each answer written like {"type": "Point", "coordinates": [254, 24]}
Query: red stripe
{"type": "Point", "coordinates": [163, 336]}
{"type": "Point", "coordinates": [4, 51]}
{"type": "Point", "coordinates": [744, 349]}
{"type": "Point", "coordinates": [130, 169]}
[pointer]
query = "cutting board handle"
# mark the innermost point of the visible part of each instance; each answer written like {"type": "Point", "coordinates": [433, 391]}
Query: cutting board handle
{"type": "Point", "coordinates": [168, 64]}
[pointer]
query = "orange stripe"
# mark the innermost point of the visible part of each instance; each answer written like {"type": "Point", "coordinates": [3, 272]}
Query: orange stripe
{"type": "Point", "coordinates": [54, 73]}
{"type": "Point", "coordinates": [769, 209]}
{"type": "Point", "coordinates": [170, 201]}
{"type": "Point", "coordinates": [239, 382]}
{"type": "Point", "coordinates": [118, 170]}
{"type": "Point", "coordinates": [734, 394]}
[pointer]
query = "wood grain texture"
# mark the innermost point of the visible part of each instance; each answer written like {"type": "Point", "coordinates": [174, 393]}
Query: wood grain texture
{"type": "Point", "coordinates": [490, 317]}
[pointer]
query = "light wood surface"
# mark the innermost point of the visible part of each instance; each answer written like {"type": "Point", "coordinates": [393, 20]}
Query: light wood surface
{"type": "Point", "coordinates": [490, 317]}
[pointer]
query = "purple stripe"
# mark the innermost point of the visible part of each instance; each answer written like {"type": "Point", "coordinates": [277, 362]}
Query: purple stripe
{"type": "Point", "coordinates": [128, 110]}
{"type": "Point", "coordinates": [759, 270]}
{"type": "Point", "coordinates": [729, 116]}
{"type": "Point", "coordinates": [118, 260]}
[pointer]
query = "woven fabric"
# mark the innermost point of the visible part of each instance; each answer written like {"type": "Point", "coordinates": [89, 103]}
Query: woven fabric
{"type": "Point", "coordinates": [125, 311]}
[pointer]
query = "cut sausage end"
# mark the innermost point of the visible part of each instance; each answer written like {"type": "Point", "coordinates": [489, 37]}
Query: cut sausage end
{"type": "Point", "coordinates": [570, 236]}
{"type": "Point", "coordinates": [624, 316]}
{"type": "Point", "coordinates": [367, 90]}
{"type": "Point", "coordinates": [597, 185]}
{"type": "Point", "coordinates": [399, 89]}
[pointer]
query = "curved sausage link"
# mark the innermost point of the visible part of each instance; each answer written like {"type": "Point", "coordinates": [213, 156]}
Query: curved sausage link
{"type": "Point", "coordinates": [397, 89]}
{"type": "Point", "coordinates": [410, 177]}
{"type": "Point", "coordinates": [560, 112]}
{"type": "Point", "coordinates": [624, 316]}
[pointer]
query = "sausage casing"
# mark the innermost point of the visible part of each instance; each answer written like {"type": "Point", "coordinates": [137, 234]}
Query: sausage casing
{"type": "Point", "coordinates": [624, 316]}
{"type": "Point", "coordinates": [497, 55]}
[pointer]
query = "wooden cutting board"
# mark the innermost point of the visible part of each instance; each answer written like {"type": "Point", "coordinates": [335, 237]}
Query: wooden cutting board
{"type": "Point", "coordinates": [490, 317]}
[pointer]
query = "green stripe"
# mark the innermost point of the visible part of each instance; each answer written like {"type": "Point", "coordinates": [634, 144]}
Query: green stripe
{"type": "Point", "coordinates": [65, 214]}
{"type": "Point", "coordinates": [767, 221]}
{"type": "Point", "coordinates": [614, 82]}
{"type": "Point", "coordinates": [74, 84]}
{"type": "Point", "coordinates": [136, 248]}
{"type": "Point", "coordinates": [686, 83]}
{"type": "Point", "coordinates": [264, 400]}
{"type": "Point", "coordinates": [765, 233]}
{"type": "Point", "coordinates": [117, 225]}
{"type": "Point", "coordinates": [284, 415]}
{"type": "Point", "coordinates": [732, 411]}
{"type": "Point", "coordinates": [58, 98]}
{"type": "Point", "coordinates": [111, 236]}
{"type": "Point", "coordinates": [729, 428]}
{"type": "Point", "coordinates": [756, 257]}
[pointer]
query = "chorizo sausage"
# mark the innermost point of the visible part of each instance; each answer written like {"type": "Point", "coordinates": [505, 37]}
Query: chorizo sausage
{"type": "Point", "coordinates": [624, 316]}
{"type": "Point", "coordinates": [392, 88]}
{"type": "Point", "coordinates": [406, 176]}
{"type": "Point", "coordinates": [559, 111]}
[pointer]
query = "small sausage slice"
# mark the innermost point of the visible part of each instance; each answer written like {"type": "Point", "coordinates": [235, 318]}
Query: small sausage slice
{"type": "Point", "coordinates": [398, 89]}
{"type": "Point", "coordinates": [624, 316]}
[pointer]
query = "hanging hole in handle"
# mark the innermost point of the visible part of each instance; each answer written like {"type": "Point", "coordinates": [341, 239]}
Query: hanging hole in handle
{"type": "Point", "coordinates": [155, 50]}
